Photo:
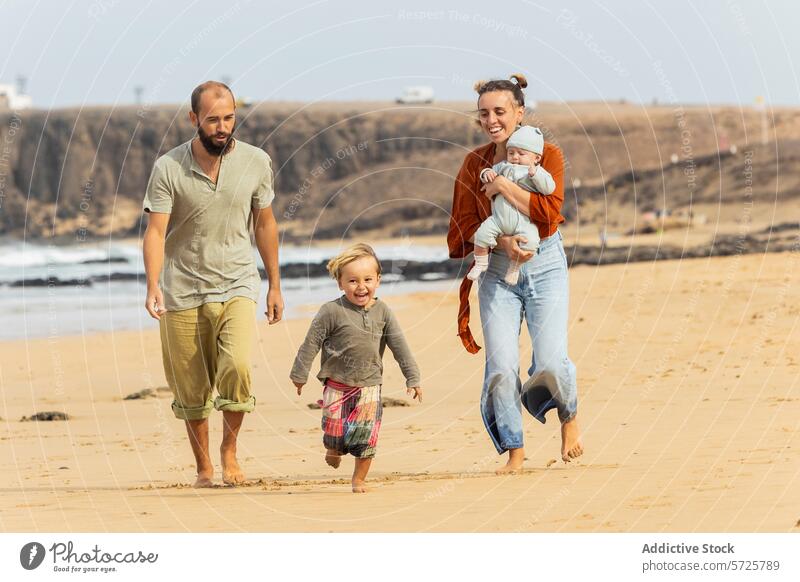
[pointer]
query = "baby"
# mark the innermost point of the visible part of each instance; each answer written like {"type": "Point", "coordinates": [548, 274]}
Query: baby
{"type": "Point", "coordinates": [523, 153]}
{"type": "Point", "coordinates": [352, 332]}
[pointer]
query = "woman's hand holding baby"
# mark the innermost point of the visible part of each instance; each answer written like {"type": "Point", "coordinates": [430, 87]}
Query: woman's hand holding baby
{"type": "Point", "coordinates": [496, 186]}
{"type": "Point", "coordinates": [511, 247]}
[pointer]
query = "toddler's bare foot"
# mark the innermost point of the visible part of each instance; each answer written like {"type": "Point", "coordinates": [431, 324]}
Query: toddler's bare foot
{"type": "Point", "coordinates": [333, 458]}
{"type": "Point", "coordinates": [360, 471]}
{"type": "Point", "coordinates": [571, 445]}
{"type": "Point", "coordinates": [360, 486]}
{"type": "Point", "coordinates": [231, 471]}
{"type": "Point", "coordinates": [516, 457]}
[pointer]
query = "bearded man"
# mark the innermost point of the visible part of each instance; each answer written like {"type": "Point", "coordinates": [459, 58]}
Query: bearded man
{"type": "Point", "coordinates": [202, 279]}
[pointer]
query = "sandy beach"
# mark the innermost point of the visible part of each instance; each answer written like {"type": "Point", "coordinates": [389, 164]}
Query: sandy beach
{"type": "Point", "coordinates": [689, 403]}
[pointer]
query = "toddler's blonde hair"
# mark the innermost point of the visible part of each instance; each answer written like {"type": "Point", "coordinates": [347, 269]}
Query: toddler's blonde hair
{"type": "Point", "coordinates": [353, 253]}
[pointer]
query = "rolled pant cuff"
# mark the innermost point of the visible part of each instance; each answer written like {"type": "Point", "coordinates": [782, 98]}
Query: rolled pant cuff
{"type": "Point", "coordinates": [232, 406]}
{"type": "Point", "coordinates": [198, 413]}
{"type": "Point", "coordinates": [566, 416]}
{"type": "Point", "coordinates": [504, 448]}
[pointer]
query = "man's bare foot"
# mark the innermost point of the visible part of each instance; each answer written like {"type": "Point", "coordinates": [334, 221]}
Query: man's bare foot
{"type": "Point", "coordinates": [231, 471]}
{"type": "Point", "coordinates": [204, 479]}
{"type": "Point", "coordinates": [516, 457]}
{"type": "Point", "coordinates": [360, 486]}
{"type": "Point", "coordinates": [198, 438]}
{"type": "Point", "coordinates": [333, 458]}
{"type": "Point", "coordinates": [571, 445]}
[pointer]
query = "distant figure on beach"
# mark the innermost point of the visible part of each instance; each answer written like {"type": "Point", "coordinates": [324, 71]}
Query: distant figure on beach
{"type": "Point", "coordinates": [540, 297]}
{"type": "Point", "coordinates": [352, 332]}
{"type": "Point", "coordinates": [201, 198]}
{"type": "Point", "coordinates": [521, 166]}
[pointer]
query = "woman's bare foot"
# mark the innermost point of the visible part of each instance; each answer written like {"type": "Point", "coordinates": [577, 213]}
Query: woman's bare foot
{"type": "Point", "coordinates": [205, 478]}
{"type": "Point", "coordinates": [571, 445]}
{"type": "Point", "coordinates": [231, 471]}
{"type": "Point", "coordinates": [360, 475]}
{"type": "Point", "coordinates": [333, 458]}
{"type": "Point", "coordinates": [516, 457]}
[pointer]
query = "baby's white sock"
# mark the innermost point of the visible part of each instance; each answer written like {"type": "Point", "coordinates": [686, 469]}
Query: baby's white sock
{"type": "Point", "coordinates": [481, 264]}
{"type": "Point", "coordinates": [512, 275]}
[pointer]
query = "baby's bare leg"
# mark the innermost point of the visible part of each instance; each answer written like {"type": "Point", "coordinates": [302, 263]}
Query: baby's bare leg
{"type": "Point", "coordinates": [360, 475]}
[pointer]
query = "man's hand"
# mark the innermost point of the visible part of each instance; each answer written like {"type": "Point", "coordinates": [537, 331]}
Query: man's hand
{"type": "Point", "coordinates": [274, 311]}
{"type": "Point", "coordinates": [510, 245]}
{"type": "Point", "coordinates": [415, 392]}
{"type": "Point", "coordinates": [155, 303]}
{"type": "Point", "coordinates": [299, 387]}
{"type": "Point", "coordinates": [266, 234]}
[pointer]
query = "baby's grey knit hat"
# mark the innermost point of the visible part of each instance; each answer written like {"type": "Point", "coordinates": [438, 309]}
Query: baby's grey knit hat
{"type": "Point", "coordinates": [527, 138]}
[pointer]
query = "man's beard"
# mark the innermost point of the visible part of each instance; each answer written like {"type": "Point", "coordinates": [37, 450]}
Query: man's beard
{"type": "Point", "coordinates": [211, 146]}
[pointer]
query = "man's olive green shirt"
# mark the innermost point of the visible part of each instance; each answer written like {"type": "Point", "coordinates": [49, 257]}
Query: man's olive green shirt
{"type": "Point", "coordinates": [208, 256]}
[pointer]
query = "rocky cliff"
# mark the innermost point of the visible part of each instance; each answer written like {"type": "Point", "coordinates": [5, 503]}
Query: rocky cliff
{"type": "Point", "coordinates": [356, 167]}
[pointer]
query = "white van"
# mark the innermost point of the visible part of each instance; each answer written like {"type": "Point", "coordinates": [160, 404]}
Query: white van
{"type": "Point", "coordinates": [420, 94]}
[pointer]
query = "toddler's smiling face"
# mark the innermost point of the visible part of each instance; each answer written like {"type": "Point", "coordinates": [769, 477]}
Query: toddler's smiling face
{"type": "Point", "coordinates": [359, 280]}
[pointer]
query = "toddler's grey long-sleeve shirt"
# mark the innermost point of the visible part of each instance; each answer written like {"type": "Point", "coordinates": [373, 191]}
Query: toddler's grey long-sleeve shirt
{"type": "Point", "coordinates": [352, 340]}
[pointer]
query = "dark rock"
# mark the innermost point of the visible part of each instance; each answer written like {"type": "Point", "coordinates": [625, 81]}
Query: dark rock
{"type": "Point", "coordinates": [149, 393]}
{"type": "Point", "coordinates": [46, 416]}
{"type": "Point", "coordinates": [141, 394]}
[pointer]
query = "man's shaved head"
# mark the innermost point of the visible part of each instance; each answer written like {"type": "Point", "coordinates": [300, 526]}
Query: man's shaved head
{"type": "Point", "coordinates": [218, 88]}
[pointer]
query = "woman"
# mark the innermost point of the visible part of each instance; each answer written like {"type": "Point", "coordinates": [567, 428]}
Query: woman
{"type": "Point", "coordinates": [541, 296]}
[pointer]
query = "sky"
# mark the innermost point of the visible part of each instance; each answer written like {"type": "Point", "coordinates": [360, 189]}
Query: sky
{"type": "Point", "coordinates": [90, 52]}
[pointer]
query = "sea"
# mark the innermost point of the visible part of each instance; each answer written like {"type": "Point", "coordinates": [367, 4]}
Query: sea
{"type": "Point", "coordinates": [51, 291]}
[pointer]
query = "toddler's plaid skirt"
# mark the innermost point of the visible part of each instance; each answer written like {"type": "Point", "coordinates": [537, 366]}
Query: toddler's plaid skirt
{"type": "Point", "coordinates": [351, 418]}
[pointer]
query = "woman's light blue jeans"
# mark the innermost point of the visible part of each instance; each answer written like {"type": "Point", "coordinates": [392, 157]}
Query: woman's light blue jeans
{"type": "Point", "coordinates": [541, 298]}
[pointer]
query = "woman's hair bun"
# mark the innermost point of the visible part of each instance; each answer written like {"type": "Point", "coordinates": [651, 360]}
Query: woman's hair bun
{"type": "Point", "coordinates": [479, 85]}
{"type": "Point", "coordinates": [520, 79]}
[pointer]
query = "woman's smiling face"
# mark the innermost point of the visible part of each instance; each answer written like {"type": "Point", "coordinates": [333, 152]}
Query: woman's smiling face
{"type": "Point", "coordinates": [499, 115]}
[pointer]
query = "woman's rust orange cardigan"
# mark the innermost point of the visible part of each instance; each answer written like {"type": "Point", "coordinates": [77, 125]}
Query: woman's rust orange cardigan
{"type": "Point", "coordinates": [471, 208]}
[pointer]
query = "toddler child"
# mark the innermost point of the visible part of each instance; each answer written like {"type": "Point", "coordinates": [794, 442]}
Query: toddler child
{"type": "Point", "coordinates": [352, 332]}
